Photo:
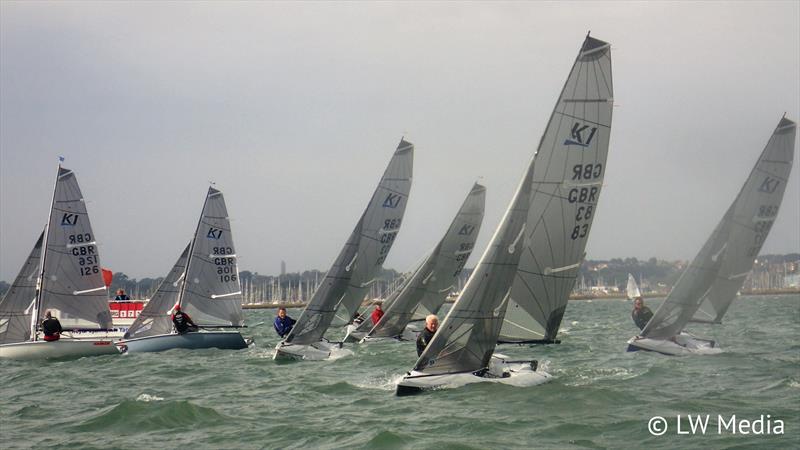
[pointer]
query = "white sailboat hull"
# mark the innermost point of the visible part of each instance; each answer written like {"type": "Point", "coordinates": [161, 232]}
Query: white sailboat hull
{"type": "Point", "coordinates": [225, 340]}
{"type": "Point", "coordinates": [681, 345]}
{"type": "Point", "coordinates": [62, 348]}
{"type": "Point", "coordinates": [501, 370]}
{"type": "Point", "coordinates": [318, 351]}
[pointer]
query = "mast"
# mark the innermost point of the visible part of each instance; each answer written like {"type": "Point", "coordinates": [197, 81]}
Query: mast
{"type": "Point", "coordinates": [40, 282]}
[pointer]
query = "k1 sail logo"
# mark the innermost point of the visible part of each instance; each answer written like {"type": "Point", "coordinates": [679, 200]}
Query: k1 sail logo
{"type": "Point", "coordinates": [392, 201]}
{"type": "Point", "coordinates": [214, 233]}
{"type": "Point", "coordinates": [69, 220]}
{"type": "Point", "coordinates": [579, 133]}
{"type": "Point", "coordinates": [769, 185]}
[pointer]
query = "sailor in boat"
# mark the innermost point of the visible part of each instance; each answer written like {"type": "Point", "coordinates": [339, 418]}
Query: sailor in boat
{"type": "Point", "coordinates": [283, 324]}
{"type": "Point", "coordinates": [51, 327]}
{"type": "Point", "coordinates": [376, 314]}
{"type": "Point", "coordinates": [183, 323]}
{"type": "Point", "coordinates": [121, 295]}
{"type": "Point", "coordinates": [641, 314]}
{"type": "Point", "coordinates": [431, 324]}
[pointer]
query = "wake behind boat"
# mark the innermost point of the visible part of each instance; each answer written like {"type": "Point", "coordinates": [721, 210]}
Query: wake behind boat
{"type": "Point", "coordinates": [204, 283]}
{"type": "Point", "coordinates": [62, 276]}
{"type": "Point", "coordinates": [356, 266]}
{"type": "Point", "coordinates": [707, 287]}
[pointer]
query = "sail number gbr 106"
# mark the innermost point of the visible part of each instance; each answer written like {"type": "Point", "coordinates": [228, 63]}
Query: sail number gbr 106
{"type": "Point", "coordinates": [225, 261]}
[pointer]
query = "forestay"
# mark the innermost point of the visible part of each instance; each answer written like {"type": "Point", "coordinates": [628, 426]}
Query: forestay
{"type": "Point", "coordinates": [468, 335]}
{"type": "Point", "coordinates": [751, 216]}
{"type": "Point", "coordinates": [72, 287]}
{"type": "Point", "coordinates": [211, 293]}
{"type": "Point", "coordinates": [717, 272]}
{"type": "Point", "coordinates": [428, 287]}
{"type": "Point", "coordinates": [567, 179]}
{"type": "Point", "coordinates": [16, 307]}
{"type": "Point", "coordinates": [155, 317]}
{"type": "Point", "coordinates": [362, 257]}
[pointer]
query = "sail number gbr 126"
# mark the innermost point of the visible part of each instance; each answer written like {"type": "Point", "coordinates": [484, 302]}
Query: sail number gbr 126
{"type": "Point", "coordinates": [226, 265]}
{"type": "Point", "coordinates": [82, 248]}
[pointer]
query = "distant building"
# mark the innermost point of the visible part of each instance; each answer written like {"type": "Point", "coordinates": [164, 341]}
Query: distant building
{"type": "Point", "coordinates": [283, 268]}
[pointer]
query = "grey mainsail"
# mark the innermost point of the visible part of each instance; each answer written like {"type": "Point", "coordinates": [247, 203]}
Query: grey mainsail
{"type": "Point", "coordinates": [729, 252]}
{"type": "Point", "coordinates": [72, 284]}
{"type": "Point", "coordinates": [155, 318]}
{"type": "Point", "coordinates": [429, 285]}
{"type": "Point", "coordinates": [468, 335]}
{"type": "Point", "coordinates": [751, 216]}
{"type": "Point", "coordinates": [16, 306]}
{"type": "Point", "coordinates": [356, 266]}
{"type": "Point", "coordinates": [566, 184]}
{"type": "Point", "coordinates": [211, 293]}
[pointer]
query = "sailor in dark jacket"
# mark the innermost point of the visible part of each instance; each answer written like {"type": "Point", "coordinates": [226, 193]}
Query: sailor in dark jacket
{"type": "Point", "coordinates": [641, 314]}
{"type": "Point", "coordinates": [51, 327]}
{"type": "Point", "coordinates": [424, 338]}
{"type": "Point", "coordinates": [283, 323]}
{"type": "Point", "coordinates": [183, 323]}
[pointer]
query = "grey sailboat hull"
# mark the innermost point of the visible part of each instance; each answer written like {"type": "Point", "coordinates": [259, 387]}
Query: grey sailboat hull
{"type": "Point", "coordinates": [63, 348]}
{"type": "Point", "coordinates": [225, 340]}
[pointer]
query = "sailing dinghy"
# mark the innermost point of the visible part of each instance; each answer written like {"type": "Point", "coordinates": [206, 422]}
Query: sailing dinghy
{"type": "Point", "coordinates": [354, 270]}
{"type": "Point", "coordinates": [425, 291]}
{"type": "Point", "coordinates": [632, 290]}
{"type": "Point", "coordinates": [205, 283]}
{"type": "Point", "coordinates": [61, 275]}
{"type": "Point", "coordinates": [707, 287]}
{"type": "Point", "coordinates": [535, 251]}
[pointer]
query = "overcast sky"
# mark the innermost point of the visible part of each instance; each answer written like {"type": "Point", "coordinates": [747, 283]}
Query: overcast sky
{"type": "Point", "coordinates": [294, 110]}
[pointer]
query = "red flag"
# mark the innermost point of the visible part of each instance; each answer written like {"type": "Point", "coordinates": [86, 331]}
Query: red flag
{"type": "Point", "coordinates": [108, 276]}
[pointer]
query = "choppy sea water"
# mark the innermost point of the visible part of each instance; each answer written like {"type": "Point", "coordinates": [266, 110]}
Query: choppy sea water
{"type": "Point", "coordinates": [601, 397]}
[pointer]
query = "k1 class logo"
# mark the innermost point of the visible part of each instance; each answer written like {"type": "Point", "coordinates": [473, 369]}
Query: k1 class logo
{"type": "Point", "coordinates": [579, 132]}
{"type": "Point", "coordinates": [769, 185]}
{"type": "Point", "coordinates": [466, 230]}
{"type": "Point", "coordinates": [392, 201]}
{"type": "Point", "coordinates": [214, 233]}
{"type": "Point", "coordinates": [69, 220]}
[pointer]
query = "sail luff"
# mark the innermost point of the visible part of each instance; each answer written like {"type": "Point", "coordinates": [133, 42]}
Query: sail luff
{"type": "Point", "coordinates": [191, 246]}
{"type": "Point", "coordinates": [16, 306]}
{"type": "Point", "coordinates": [37, 304]}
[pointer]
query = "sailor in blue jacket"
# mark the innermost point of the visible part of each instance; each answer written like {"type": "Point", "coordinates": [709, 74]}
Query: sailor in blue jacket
{"type": "Point", "coordinates": [283, 323]}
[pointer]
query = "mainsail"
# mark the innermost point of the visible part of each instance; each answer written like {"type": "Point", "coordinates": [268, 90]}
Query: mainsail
{"type": "Point", "coordinates": [154, 318]}
{"type": "Point", "coordinates": [733, 244]}
{"type": "Point", "coordinates": [72, 286]}
{"type": "Point", "coordinates": [363, 254]}
{"type": "Point", "coordinates": [632, 290]}
{"type": "Point", "coordinates": [211, 293]}
{"type": "Point", "coordinates": [566, 184]}
{"type": "Point", "coordinates": [468, 335]}
{"type": "Point", "coordinates": [751, 217]}
{"type": "Point", "coordinates": [16, 307]}
{"type": "Point", "coordinates": [431, 282]}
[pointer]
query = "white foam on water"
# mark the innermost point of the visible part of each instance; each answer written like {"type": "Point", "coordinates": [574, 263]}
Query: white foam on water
{"type": "Point", "coordinates": [148, 398]}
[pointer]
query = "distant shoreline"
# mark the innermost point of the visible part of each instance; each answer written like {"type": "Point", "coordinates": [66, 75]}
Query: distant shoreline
{"type": "Point", "coordinates": [572, 297]}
